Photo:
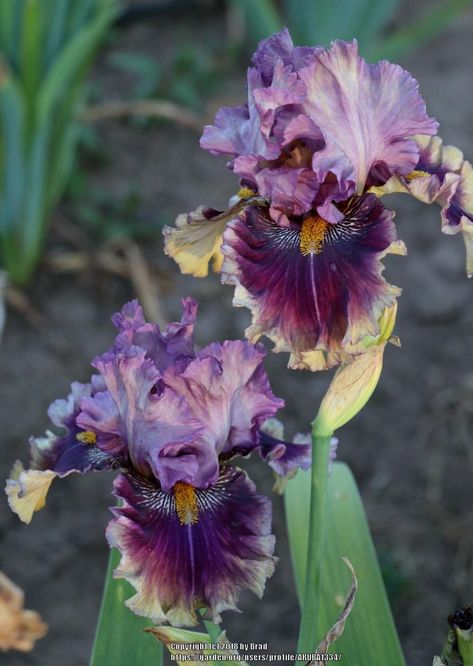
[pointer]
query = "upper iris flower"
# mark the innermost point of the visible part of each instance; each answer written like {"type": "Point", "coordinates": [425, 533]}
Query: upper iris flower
{"type": "Point", "coordinates": [192, 530]}
{"type": "Point", "coordinates": [304, 239]}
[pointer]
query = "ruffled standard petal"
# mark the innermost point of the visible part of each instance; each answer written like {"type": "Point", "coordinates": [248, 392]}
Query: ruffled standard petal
{"type": "Point", "coordinates": [280, 48]}
{"type": "Point", "coordinates": [315, 287]}
{"type": "Point", "coordinates": [164, 348]}
{"type": "Point", "coordinates": [227, 388]}
{"type": "Point", "coordinates": [153, 425]}
{"type": "Point", "coordinates": [178, 566]}
{"type": "Point", "coordinates": [285, 89]}
{"type": "Point", "coordinates": [290, 190]}
{"type": "Point", "coordinates": [273, 85]}
{"type": "Point", "coordinates": [238, 130]}
{"type": "Point", "coordinates": [366, 113]}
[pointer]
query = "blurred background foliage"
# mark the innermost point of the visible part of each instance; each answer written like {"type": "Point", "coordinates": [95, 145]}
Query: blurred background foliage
{"type": "Point", "coordinates": [372, 22]}
{"type": "Point", "coordinates": [47, 48]}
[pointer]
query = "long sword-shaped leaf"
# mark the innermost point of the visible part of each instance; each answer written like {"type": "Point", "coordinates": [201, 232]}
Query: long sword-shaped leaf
{"type": "Point", "coordinates": [71, 61]}
{"type": "Point", "coordinates": [372, 21]}
{"type": "Point", "coordinates": [56, 32]}
{"type": "Point", "coordinates": [315, 22]}
{"type": "Point", "coordinates": [120, 638]}
{"type": "Point", "coordinates": [31, 53]}
{"type": "Point", "coordinates": [12, 163]}
{"type": "Point", "coordinates": [6, 28]}
{"type": "Point", "coordinates": [370, 637]}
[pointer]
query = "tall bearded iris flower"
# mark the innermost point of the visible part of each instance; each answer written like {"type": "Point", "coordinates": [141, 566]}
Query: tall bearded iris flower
{"type": "Point", "coordinates": [322, 131]}
{"type": "Point", "coordinates": [191, 527]}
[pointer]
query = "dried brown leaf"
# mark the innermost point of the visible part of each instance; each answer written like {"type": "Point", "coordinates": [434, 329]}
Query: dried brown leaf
{"type": "Point", "coordinates": [19, 628]}
{"type": "Point", "coordinates": [336, 630]}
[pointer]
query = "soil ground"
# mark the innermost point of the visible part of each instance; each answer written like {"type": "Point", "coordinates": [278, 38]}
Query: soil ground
{"type": "Point", "coordinates": [410, 449]}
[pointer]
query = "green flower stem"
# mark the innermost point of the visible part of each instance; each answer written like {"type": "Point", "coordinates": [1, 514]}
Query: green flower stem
{"type": "Point", "coordinates": [308, 639]}
{"type": "Point", "coordinates": [465, 645]}
{"type": "Point", "coordinates": [214, 631]}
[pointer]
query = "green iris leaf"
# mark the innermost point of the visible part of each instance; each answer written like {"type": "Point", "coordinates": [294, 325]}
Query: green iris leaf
{"type": "Point", "coordinates": [120, 637]}
{"type": "Point", "coordinates": [370, 636]}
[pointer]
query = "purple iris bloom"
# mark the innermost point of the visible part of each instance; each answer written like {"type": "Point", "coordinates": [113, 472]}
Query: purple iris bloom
{"type": "Point", "coordinates": [191, 527]}
{"type": "Point", "coordinates": [304, 240]}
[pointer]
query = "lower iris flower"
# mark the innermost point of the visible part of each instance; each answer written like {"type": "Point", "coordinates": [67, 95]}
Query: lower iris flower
{"type": "Point", "coordinates": [191, 527]}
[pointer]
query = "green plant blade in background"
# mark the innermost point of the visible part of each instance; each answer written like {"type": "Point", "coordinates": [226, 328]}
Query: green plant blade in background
{"type": "Point", "coordinates": [318, 22]}
{"type": "Point", "coordinates": [372, 20]}
{"type": "Point", "coordinates": [416, 34]}
{"type": "Point", "coordinates": [370, 637]}
{"type": "Point", "coordinates": [42, 87]}
{"type": "Point", "coordinates": [262, 18]}
{"type": "Point", "coordinates": [120, 639]}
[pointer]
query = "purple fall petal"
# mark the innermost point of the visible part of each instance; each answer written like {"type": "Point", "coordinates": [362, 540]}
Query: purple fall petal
{"type": "Point", "coordinates": [178, 567]}
{"type": "Point", "coordinates": [321, 299]}
{"type": "Point", "coordinates": [285, 457]}
{"type": "Point", "coordinates": [64, 454]}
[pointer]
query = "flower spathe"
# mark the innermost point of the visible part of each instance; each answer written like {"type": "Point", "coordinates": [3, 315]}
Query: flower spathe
{"type": "Point", "coordinates": [192, 529]}
{"type": "Point", "coordinates": [304, 243]}
{"type": "Point", "coordinates": [353, 384]}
